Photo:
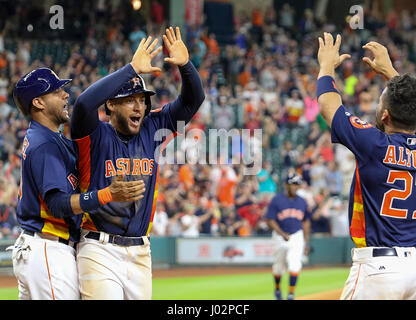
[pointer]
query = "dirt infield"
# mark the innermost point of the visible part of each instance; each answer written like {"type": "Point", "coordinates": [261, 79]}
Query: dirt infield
{"type": "Point", "coordinates": [205, 271]}
{"type": "Point", "coordinates": [10, 281]}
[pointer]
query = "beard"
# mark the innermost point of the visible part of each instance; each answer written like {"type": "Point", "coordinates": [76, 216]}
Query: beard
{"type": "Point", "coordinates": [122, 124]}
{"type": "Point", "coordinates": [59, 116]}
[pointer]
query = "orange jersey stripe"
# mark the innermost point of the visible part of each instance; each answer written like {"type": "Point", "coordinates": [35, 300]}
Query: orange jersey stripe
{"type": "Point", "coordinates": [52, 225]}
{"type": "Point", "coordinates": [49, 274]}
{"type": "Point", "coordinates": [169, 138]}
{"type": "Point", "coordinates": [357, 227]}
{"type": "Point", "coordinates": [84, 165]}
{"type": "Point", "coordinates": [154, 201]}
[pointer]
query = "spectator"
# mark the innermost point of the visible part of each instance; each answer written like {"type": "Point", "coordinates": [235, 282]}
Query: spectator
{"type": "Point", "coordinates": [160, 221]}
{"type": "Point", "coordinates": [223, 114]}
{"type": "Point", "coordinates": [320, 216]}
{"type": "Point", "coordinates": [334, 179]}
{"type": "Point", "coordinates": [226, 187]}
{"type": "Point", "coordinates": [294, 107]}
{"type": "Point", "coordinates": [338, 217]}
{"type": "Point", "coordinates": [191, 222]}
{"type": "Point", "coordinates": [5, 108]}
{"type": "Point", "coordinates": [267, 185]}
{"type": "Point", "coordinates": [230, 222]}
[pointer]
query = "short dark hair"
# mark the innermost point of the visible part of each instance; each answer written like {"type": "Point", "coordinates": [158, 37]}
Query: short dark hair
{"type": "Point", "coordinates": [400, 101]}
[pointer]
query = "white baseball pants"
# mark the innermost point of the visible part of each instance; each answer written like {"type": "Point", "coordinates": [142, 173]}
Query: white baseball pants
{"type": "Point", "coordinates": [288, 254]}
{"type": "Point", "coordinates": [45, 268]}
{"type": "Point", "coordinates": [112, 272]}
{"type": "Point", "coordinates": [383, 277]}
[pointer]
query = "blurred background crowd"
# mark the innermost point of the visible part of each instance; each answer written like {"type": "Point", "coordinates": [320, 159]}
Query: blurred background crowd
{"type": "Point", "coordinates": [262, 77]}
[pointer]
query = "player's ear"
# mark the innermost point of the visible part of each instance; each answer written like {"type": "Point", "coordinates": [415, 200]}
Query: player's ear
{"type": "Point", "coordinates": [110, 105]}
{"type": "Point", "coordinates": [385, 115]}
{"type": "Point", "coordinates": [39, 103]}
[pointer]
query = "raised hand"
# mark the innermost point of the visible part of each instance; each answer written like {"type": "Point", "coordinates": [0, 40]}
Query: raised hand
{"type": "Point", "coordinates": [126, 191]}
{"type": "Point", "coordinates": [381, 63]}
{"type": "Point", "coordinates": [328, 54]}
{"type": "Point", "coordinates": [142, 58]}
{"type": "Point", "coordinates": [178, 53]}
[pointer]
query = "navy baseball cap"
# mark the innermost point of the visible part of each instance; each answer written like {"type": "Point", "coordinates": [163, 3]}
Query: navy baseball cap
{"type": "Point", "coordinates": [133, 86]}
{"type": "Point", "coordinates": [293, 178]}
{"type": "Point", "coordinates": [35, 84]}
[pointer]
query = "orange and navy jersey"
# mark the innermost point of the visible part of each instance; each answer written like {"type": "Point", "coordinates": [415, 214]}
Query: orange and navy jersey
{"type": "Point", "coordinates": [49, 162]}
{"type": "Point", "coordinates": [382, 207]}
{"type": "Point", "coordinates": [106, 153]}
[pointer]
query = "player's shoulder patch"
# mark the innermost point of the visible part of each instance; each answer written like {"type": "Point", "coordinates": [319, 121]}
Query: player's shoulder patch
{"type": "Point", "coordinates": [357, 122]}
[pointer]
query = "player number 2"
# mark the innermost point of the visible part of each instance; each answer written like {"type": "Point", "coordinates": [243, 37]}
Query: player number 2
{"type": "Point", "coordinates": [386, 207]}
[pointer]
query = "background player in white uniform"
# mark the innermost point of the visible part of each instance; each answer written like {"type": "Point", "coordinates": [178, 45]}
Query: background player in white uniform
{"type": "Point", "coordinates": [382, 208]}
{"type": "Point", "coordinates": [289, 218]}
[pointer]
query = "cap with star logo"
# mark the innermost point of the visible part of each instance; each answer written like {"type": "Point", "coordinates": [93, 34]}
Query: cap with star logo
{"type": "Point", "coordinates": [133, 86]}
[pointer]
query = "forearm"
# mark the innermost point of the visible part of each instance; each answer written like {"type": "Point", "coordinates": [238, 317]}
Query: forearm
{"type": "Point", "coordinates": [329, 100]}
{"type": "Point", "coordinates": [62, 204]}
{"type": "Point", "coordinates": [326, 70]}
{"type": "Point", "coordinates": [85, 116]}
{"type": "Point", "coordinates": [307, 230]}
{"type": "Point", "coordinates": [191, 96]}
{"type": "Point", "coordinates": [390, 73]}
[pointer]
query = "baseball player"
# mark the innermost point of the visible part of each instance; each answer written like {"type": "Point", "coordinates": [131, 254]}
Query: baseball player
{"type": "Point", "coordinates": [113, 256]}
{"type": "Point", "coordinates": [48, 200]}
{"type": "Point", "coordinates": [289, 219]}
{"type": "Point", "coordinates": [382, 206]}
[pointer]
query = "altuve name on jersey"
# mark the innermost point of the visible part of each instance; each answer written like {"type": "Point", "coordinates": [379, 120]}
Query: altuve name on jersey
{"type": "Point", "coordinates": [129, 166]}
{"type": "Point", "coordinates": [401, 157]}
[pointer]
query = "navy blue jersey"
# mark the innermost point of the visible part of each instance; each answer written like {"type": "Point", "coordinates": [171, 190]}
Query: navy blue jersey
{"type": "Point", "coordinates": [288, 213]}
{"type": "Point", "coordinates": [382, 208]}
{"type": "Point", "coordinates": [104, 153]}
{"type": "Point", "coordinates": [49, 162]}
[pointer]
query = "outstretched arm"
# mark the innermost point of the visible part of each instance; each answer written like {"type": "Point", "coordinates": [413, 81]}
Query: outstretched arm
{"type": "Point", "coordinates": [329, 99]}
{"type": "Point", "coordinates": [192, 94]}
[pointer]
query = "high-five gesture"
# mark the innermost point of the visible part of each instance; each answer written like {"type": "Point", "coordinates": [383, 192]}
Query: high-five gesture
{"type": "Point", "coordinates": [328, 54]}
{"type": "Point", "coordinates": [142, 59]}
{"type": "Point", "coordinates": [329, 59]}
{"type": "Point", "coordinates": [178, 53]}
{"type": "Point", "coordinates": [381, 62]}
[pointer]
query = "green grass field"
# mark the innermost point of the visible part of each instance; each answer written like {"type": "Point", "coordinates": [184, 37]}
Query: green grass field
{"type": "Point", "coordinates": [253, 286]}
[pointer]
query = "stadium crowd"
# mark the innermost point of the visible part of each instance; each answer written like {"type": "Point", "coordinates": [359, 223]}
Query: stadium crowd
{"type": "Point", "coordinates": [264, 80]}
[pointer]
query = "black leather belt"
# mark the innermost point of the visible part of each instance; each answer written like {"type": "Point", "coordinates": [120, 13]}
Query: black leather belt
{"type": "Point", "coordinates": [64, 241]}
{"type": "Point", "coordinates": [116, 239]}
{"type": "Point", "coordinates": [383, 252]}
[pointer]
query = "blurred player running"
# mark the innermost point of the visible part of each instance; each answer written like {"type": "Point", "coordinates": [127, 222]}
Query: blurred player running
{"type": "Point", "coordinates": [382, 208]}
{"type": "Point", "coordinates": [289, 220]}
{"type": "Point", "coordinates": [114, 252]}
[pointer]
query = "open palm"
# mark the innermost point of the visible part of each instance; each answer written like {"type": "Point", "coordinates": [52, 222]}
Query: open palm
{"type": "Point", "coordinates": [142, 59]}
{"type": "Point", "coordinates": [178, 53]}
